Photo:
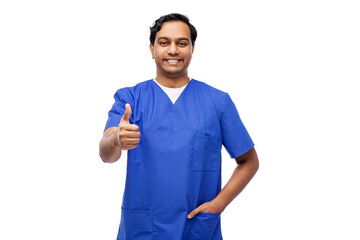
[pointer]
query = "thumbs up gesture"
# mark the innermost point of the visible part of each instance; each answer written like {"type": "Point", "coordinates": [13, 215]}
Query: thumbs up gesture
{"type": "Point", "coordinates": [129, 135]}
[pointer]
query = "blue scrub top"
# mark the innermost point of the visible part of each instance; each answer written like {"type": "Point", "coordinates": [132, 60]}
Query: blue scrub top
{"type": "Point", "coordinates": [177, 165]}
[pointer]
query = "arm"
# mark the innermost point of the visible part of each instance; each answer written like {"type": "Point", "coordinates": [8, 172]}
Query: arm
{"type": "Point", "coordinates": [248, 165]}
{"type": "Point", "coordinates": [110, 148]}
{"type": "Point", "coordinates": [125, 136]}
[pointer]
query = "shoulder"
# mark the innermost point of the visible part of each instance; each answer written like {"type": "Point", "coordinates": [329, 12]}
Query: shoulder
{"type": "Point", "coordinates": [218, 97]}
{"type": "Point", "coordinates": [212, 90]}
{"type": "Point", "coordinates": [131, 93]}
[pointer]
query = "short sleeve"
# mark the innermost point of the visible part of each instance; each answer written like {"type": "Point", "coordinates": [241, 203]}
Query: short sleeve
{"type": "Point", "coordinates": [236, 138]}
{"type": "Point", "coordinates": [122, 96]}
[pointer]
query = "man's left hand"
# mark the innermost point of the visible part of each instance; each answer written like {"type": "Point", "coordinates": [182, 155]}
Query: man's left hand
{"type": "Point", "coordinates": [208, 207]}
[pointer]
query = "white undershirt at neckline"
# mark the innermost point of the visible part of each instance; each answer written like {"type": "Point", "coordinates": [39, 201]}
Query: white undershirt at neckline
{"type": "Point", "coordinates": [173, 93]}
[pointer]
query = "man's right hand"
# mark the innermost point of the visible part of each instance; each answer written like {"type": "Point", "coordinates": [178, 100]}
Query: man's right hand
{"type": "Point", "coordinates": [128, 135]}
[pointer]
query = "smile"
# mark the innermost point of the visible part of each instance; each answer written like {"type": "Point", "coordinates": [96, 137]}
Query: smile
{"type": "Point", "coordinates": [173, 61]}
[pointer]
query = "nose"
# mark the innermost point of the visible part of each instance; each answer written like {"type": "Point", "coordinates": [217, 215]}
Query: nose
{"type": "Point", "coordinates": [173, 49]}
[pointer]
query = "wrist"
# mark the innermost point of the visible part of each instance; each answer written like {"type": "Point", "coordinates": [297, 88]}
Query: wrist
{"type": "Point", "coordinates": [221, 205]}
{"type": "Point", "coordinates": [115, 140]}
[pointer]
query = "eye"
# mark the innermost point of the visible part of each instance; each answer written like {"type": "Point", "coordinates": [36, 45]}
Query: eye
{"type": "Point", "coordinates": [163, 43]}
{"type": "Point", "coordinates": [183, 44]}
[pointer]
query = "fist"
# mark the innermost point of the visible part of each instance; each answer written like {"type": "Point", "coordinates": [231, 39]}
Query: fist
{"type": "Point", "coordinates": [128, 134]}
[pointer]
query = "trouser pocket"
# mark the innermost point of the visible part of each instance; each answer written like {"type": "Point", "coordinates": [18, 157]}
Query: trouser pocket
{"type": "Point", "coordinates": [203, 226]}
{"type": "Point", "coordinates": [135, 225]}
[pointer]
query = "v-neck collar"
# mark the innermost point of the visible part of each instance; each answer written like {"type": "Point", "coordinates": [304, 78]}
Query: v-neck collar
{"type": "Point", "coordinates": [167, 97]}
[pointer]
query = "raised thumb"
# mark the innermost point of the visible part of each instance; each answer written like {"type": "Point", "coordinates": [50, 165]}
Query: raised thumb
{"type": "Point", "coordinates": [127, 113]}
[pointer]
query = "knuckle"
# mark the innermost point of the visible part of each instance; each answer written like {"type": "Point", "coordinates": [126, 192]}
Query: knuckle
{"type": "Point", "coordinates": [135, 127]}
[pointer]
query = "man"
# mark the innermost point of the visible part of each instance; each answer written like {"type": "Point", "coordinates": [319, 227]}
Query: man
{"type": "Point", "coordinates": [173, 128]}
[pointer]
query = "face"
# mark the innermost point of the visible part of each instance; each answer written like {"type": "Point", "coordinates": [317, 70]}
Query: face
{"type": "Point", "coordinates": [172, 50]}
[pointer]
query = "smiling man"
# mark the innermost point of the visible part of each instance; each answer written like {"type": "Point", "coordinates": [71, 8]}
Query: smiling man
{"type": "Point", "coordinates": [173, 128]}
{"type": "Point", "coordinates": [172, 50]}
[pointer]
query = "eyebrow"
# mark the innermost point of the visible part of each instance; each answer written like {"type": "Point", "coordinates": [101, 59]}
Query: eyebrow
{"type": "Point", "coordinates": [179, 39]}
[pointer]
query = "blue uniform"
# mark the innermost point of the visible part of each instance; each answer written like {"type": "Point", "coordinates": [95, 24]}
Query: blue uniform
{"type": "Point", "coordinates": [177, 165]}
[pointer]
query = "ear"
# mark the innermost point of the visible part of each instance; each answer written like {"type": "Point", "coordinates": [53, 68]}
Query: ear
{"type": "Point", "coordinates": [152, 50]}
{"type": "Point", "coordinates": [192, 49]}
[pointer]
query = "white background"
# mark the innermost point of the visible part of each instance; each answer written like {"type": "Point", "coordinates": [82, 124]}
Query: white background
{"type": "Point", "coordinates": [291, 67]}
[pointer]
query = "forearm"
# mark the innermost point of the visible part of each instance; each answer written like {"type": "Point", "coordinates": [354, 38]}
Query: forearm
{"type": "Point", "coordinates": [108, 150]}
{"type": "Point", "coordinates": [243, 173]}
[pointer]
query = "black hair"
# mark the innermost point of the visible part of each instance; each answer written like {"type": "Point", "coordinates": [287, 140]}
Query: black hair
{"type": "Point", "coordinates": [172, 18]}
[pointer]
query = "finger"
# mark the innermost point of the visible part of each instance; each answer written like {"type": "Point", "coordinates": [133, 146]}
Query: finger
{"type": "Point", "coordinates": [129, 134]}
{"type": "Point", "coordinates": [130, 127]}
{"type": "Point", "coordinates": [130, 140]}
{"type": "Point", "coordinates": [193, 213]}
{"type": "Point", "coordinates": [125, 118]}
{"type": "Point", "coordinates": [129, 146]}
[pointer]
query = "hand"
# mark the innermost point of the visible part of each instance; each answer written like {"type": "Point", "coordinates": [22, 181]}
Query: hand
{"type": "Point", "coordinates": [128, 135]}
{"type": "Point", "coordinates": [208, 207]}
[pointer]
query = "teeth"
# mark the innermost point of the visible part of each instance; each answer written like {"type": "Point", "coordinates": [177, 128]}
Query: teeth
{"type": "Point", "coordinates": [172, 60]}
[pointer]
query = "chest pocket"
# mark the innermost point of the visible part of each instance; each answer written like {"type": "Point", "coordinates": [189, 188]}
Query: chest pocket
{"type": "Point", "coordinates": [206, 153]}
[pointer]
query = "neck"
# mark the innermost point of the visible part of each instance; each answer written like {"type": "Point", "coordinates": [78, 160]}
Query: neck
{"type": "Point", "coordinates": [176, 82]}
